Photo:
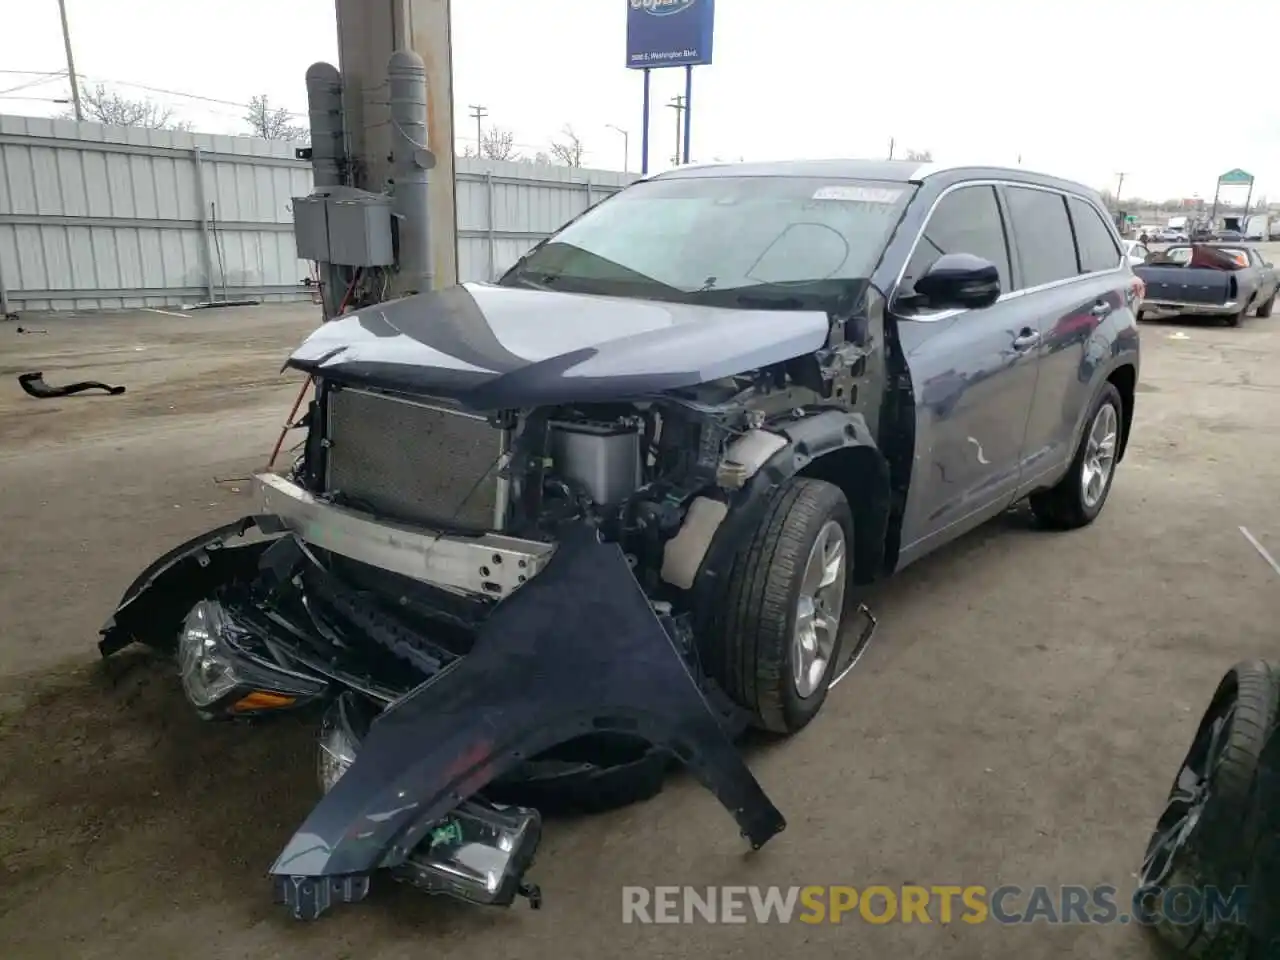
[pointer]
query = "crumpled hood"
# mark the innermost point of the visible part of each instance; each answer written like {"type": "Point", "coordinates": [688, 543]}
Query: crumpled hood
{"type": "Point", "coordinates": [492, 347]}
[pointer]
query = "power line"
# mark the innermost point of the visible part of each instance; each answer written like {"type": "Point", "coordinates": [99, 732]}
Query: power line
{"type": "Point", "coordinates": [34, 83]}
{"type": "Point", "coordinates": [106, 81]}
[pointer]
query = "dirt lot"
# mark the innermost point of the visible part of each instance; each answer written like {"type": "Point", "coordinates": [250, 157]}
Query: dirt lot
{"type": "Point", "coordinates": [1017, 720]}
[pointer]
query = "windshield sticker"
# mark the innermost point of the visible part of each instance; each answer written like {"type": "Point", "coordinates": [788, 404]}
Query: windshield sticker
{"type": "Point", "coordinates": [859, 194]}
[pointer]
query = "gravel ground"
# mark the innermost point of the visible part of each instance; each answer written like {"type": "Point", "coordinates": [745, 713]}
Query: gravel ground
{"type": "Point", "coordinates": [1017, 719]}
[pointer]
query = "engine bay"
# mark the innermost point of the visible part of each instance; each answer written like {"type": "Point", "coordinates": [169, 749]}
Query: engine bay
{"type": "Point", "coordinates": [638, 471]}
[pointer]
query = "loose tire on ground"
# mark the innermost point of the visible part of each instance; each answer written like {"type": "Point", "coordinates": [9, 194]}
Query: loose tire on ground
{"type": "Point", "coordinates": [1220, 840]}
{"type": "Point", "coordinates": [1064, 506]}
{"type": "Point", "coordinates": [750, 650]}
{"type": "Point", "coordinates": [1263, 823]}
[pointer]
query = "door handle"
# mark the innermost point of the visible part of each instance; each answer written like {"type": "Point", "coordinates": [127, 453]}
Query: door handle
{"type": "Point", "coordinates": [1101, 308]}
{"type": "Point", "coordinates": [1026, 340]}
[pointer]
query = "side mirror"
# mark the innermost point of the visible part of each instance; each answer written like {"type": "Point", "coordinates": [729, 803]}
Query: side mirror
{"type": "Point", "coordinates": [1270, 264]}
{"type": "Point", "coordinates": [959, 281]}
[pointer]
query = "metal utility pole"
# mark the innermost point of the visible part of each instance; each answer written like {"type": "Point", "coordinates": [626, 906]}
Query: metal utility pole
{"type": "Point", "coordinates": [1119, 187]}
{"type": "Point", "coordinates": [71, 62]}
{"type": "Point", "coordinates": [891, 148]}
{"type": "Point", "coordinates": [478, 113]}
{"type": "Point", "coordinates": [677, 104]}
{"type": "Point", "coordinates": [626, 147]}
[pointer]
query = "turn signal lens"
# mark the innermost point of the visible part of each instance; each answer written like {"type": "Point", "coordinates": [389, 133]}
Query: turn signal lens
{"type": "Point", "coordinates": [260, 700]}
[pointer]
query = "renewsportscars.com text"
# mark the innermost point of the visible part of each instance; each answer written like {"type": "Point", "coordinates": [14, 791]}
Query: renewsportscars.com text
{"type": "Point", "coordinates": [942, 904]}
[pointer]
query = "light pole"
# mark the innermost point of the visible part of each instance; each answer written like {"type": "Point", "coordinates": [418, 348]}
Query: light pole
{"type": "Point", "coordinates": [626, 147]}
{"type": "Point", "coordinates": [677, 104]}
{"type": "Point", "coordinates": [71, 63]}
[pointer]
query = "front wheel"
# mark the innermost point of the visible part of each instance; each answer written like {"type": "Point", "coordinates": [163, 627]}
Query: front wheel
{"type": "Point", "coordinates": [1266, 308]}
{"type": "Point", "coordinates": [776, 640]}
{"type": "Point", "coordinates": [1080, 496]}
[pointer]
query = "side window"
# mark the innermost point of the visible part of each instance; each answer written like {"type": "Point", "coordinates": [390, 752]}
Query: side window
{"type": "Point", "coordinates": [966, 220]}
{"type": "Point", "coordinates": [1141, 251]}
{"type": "Point", "coordinates": [1046, 247]}
{"type": "Point", "coordinates": [1098, 250]}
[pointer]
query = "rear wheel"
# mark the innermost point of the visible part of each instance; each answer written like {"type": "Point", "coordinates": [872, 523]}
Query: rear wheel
{"type": "Point", "coordinates": [776, 640]}
{"type": "Point", "coordinates": [1205, 837]}
{"type": "Point", "coordinates": [1236, 319]}
{"type": "Point", "coordinates": [1080, 495]}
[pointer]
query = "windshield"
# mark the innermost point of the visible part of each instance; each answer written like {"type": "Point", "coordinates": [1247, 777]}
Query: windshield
{"type": "Point", "coordinates": [763, 240]}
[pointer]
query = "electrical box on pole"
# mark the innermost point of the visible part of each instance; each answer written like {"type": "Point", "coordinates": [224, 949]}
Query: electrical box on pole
{"type": "Point", "coordinates": [382, 219]}
{"type": "Point", "coordinates": [369, 33]}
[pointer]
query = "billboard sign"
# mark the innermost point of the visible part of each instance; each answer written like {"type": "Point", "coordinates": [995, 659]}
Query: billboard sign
{"type": "Point", "coordinates": [669, 33]}
{"type": "Point", "coordinates": [1236, 176]}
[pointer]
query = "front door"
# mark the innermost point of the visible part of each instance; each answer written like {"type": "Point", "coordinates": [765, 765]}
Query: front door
{"type": "Point", "coordinates": [974, 377]}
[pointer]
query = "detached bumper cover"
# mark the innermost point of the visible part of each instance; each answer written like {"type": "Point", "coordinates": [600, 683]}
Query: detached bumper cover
{"type": "Point", "coordinates": [576, 650]}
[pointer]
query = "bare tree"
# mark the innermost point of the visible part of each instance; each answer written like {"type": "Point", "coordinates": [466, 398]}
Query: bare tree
{"type": "Point", "coordinates": [497, 143]}
{"type": "Point", "coordinates": [111, 108]}
{"type": "Point", "coordinates": [569, 150]}
{"type": "Point", "coordinates": [543, 157]}
{"type": "Point", "coordinates": [272, 123]}
{"type": "Point", "coordinates": [920, 156]}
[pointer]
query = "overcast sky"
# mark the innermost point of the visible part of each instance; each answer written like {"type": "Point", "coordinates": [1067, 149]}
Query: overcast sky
{"type": "Point", "coordinates": [1084, 89]}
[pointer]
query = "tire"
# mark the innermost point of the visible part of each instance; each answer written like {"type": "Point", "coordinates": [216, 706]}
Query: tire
{"type": "Point", "coordinates": [1266, 308]}
{"type": "Point", "coordinates": [750, 649]}
{"type": "Point", "coordinates": [1263, 824]}
{"type": "Point", "coordinates": [1219, 843]}
{"type": "Point", "coordinates": [1066, 505]}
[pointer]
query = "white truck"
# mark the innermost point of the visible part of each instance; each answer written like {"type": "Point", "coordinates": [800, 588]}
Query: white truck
{"type": "Point", "coordinates": [1259, 227]}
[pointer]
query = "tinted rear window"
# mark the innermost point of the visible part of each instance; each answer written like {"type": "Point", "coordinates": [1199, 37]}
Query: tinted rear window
{"type": "Point", "coordinates": [1045, 243]}
{"type": "Point", "coordinates": [1098, 250]}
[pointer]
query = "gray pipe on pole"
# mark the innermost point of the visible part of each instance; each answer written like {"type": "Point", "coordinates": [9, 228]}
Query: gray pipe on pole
{"type": "Point", "coordinates": [410, 161]}
{"type": "Point", "coordinates": [324, 106]}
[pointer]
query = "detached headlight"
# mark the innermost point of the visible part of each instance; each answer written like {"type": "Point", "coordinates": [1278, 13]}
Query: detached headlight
{"type": "Point", "coordinates": [479, 852]}
{"type": "Point", "coordinates": [220, 677]}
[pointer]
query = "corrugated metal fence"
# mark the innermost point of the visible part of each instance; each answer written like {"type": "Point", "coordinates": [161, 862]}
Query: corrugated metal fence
{"type": "Point", "coordinates": [97, 217]}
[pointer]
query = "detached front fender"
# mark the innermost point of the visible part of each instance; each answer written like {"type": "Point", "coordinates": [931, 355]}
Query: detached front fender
{"type": "Point", "coordinates": [577, 649]}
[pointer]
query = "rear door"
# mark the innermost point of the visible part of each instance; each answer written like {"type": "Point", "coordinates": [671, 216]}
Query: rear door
{"type": "Point", "coordinates": [973, 373]}
{"type": "Point", "coordinates": [1074, 280]}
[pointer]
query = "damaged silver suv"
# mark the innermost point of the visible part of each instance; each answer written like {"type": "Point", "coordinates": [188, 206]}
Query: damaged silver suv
{"type": "Point", "coordinates": [549, 535]}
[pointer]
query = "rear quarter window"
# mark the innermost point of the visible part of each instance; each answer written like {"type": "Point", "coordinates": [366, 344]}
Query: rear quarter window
{"type": "Point", "coordinates": [1046, 247]}
{"type": "Point", "coordinates": [1097, 246]}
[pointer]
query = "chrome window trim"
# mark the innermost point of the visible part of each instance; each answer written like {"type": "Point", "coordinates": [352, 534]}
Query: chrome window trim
{"type": "Point", "coordinates": [1120, 267]}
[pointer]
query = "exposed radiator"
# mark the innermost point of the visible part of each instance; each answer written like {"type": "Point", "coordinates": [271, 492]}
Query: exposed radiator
{"type": "Point", "coordinates": [410, 461]}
